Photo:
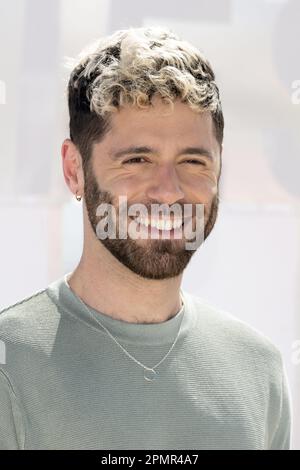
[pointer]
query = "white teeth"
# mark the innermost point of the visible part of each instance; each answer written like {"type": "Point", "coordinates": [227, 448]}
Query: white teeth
{"type": "Point", "coordinates": [144, 222]}
{"type": "Point", "coordinates": [160, 224]}
{"type": "Point", "coordinates": [177, 223]}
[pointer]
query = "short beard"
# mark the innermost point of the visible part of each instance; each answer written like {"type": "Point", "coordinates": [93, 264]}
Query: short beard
{"type": "Point", "coordinates": [156, 258]}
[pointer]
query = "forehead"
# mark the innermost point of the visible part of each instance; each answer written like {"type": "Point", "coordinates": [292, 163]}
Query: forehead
{"type": "Point", "coordinates": [160, 124]}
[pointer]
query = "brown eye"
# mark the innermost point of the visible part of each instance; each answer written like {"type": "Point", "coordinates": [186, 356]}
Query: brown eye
{"type": "Point", "coordinates": [135, 160]}
{"type": "Point", "coordinates": [193, 161]}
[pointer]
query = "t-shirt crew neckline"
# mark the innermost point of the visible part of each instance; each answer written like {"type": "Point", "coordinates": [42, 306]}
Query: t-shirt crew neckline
{"type": "Point", "coordinates": [138, 333]}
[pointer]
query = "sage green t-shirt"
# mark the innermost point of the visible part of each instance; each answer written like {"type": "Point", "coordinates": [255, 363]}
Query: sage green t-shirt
{"type": "Point", "coordinates": [65, 384]}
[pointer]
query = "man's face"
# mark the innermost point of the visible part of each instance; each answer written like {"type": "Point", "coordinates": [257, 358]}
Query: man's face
{"type": "Point", "coordinates": [163, 172]}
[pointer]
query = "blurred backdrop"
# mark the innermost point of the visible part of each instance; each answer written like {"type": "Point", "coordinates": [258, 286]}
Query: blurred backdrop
{"type": "Point", "coordinates": [250, 264]}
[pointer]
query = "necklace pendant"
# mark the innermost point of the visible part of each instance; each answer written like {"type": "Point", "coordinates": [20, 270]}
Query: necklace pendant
{"type": "Point", "coordinates": [150, 374]}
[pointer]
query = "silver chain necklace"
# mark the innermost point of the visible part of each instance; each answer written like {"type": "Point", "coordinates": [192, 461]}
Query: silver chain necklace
{"type": "Point", "coordinates": [149, 373]}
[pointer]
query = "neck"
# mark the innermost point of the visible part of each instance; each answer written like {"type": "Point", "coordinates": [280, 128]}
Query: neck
{"type": "Point", "coordinates": [104, 284]}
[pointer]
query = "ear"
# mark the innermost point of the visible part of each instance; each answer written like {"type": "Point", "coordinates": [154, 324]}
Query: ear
{"type": "Point", "coordinates": [72, 166]}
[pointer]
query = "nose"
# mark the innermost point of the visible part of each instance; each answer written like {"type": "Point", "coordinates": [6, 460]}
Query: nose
{"type": "Point", "coordinates": [165, 185]}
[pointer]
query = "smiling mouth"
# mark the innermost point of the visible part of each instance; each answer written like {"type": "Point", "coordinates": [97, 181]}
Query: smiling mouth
{"type": "Point", "coordinates": [161, 225]}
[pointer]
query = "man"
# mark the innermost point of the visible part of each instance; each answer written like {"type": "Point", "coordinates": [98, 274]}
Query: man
{"type": "Point", "coordinates": [115, 355]}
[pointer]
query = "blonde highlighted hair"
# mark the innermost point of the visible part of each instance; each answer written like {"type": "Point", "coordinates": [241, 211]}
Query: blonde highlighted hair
{"type": "Point", "coordinates": [129, 68]}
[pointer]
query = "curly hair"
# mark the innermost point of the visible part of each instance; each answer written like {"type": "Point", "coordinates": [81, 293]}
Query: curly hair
{"type": "Point", "coordinates": [129, 68]}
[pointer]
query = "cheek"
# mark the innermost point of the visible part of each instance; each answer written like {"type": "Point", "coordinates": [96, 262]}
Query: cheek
{"type": "Point", "coordinates": [204, 189]}
{"type": "Point", "coordinates": [196, 188]}
{"type": "Point", "coordinates": [124, 185]}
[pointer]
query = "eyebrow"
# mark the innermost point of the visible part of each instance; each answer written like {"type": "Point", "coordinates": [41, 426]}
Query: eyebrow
{"type": "Point", "coordinates": [186, 151]}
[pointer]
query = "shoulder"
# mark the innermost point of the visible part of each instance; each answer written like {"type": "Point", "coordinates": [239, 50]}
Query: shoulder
{"type": "Point", "coordinates": [234, 338]}
{"type": "Point", "coordinates": [28, 335]}
{"type": "Point", "coordinates": [21, 321]}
